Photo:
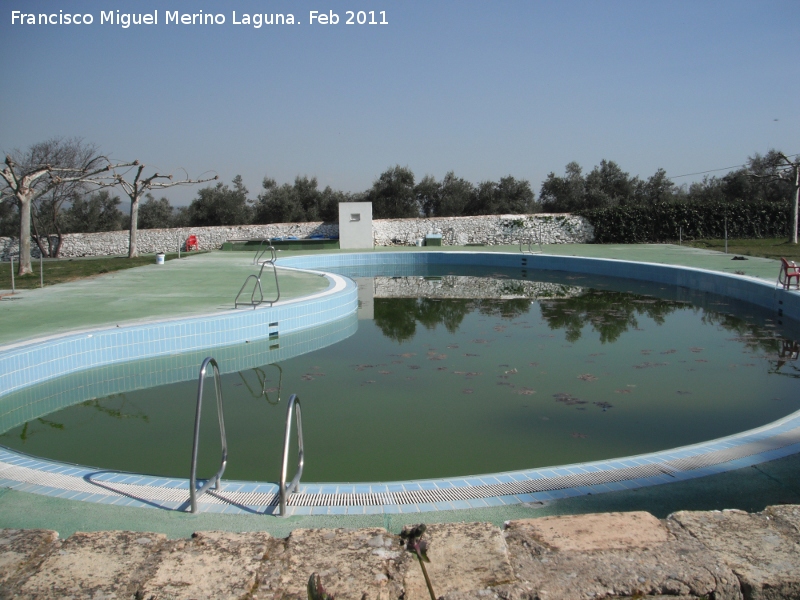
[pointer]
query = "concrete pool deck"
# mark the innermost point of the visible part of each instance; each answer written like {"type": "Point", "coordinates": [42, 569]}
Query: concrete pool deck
{"type": "Point", "coordinates": [156, 292]}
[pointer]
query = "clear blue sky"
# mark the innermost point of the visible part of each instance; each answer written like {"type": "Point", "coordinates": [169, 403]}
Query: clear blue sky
{"type": "Point", "coordinates": [483, 88]}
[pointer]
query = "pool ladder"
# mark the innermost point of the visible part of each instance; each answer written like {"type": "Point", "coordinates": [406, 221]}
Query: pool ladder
{"type": "Point", "coordinates": [531, 240]}
{"type": "Point", "coordinates": [259, 259]}
{"type": "Point", "coordinates": [293, 408]}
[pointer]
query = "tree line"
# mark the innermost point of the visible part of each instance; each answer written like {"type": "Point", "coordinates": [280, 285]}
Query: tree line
{"type": "Point", "coordinates": [66, 186]}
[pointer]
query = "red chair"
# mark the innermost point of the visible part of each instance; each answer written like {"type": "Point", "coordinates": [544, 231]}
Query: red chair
{"type": "Point", "coordinates": [191, 243]}
{"type": "Point", "coordinates": [789, 271]}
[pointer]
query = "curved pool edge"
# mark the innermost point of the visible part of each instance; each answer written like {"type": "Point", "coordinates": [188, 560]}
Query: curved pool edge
{"type": "Point", "coordinates": [769, 442]}
{"type": "Point", "coordinates": [75, 482]}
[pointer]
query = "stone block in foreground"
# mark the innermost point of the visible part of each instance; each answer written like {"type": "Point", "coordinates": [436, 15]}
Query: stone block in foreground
{"type": "Point", "coordinates": [729, 555]}
{"type": "Point", "coordinates": [762, 549]}
{"type": "Point", "coordinates": [612, 555]}
{"type": "Point", "coordinates": [104, 564]}
{"type": "Point", "coordinates": [211, 564]}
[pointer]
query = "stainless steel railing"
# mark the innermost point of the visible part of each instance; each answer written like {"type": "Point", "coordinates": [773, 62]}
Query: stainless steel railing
{"type": "Point", "coordinates": [255, 301]}
{"type": "Point", "coordinates": [194, 493]}
{"type": "Point", "coordinates": [285, 489]}
{"type": "Point", "coordinates": [532, 238]}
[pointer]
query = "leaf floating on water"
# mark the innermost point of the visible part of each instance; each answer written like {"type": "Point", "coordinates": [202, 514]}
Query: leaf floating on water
{"type": "Point", "coordinates": [472, 374]}
{"type": "Point", "coordinates": [435, 356]}
{"type": "Point", "coordinates": [700, 360]}
{"type": "Point", "coordinates": [647, 365]}
{"type": "Point", "coordinates": [526, 391]}
{"type": "Point", "coordinates": [587, 377]}
{"type": "Point", "coordinates": [624, 391]}
{"type": "Point", "coordinates": [577, 435]}
{"type": "Point", "coordinates": [534, 364]}
{"type": "Point", "coordinates": [468, 354]}
{"type": "Point", "coordinates": [646, 352]}
{"type": "Point", "coordinates": [510, 372]}
{"type": "Point", "coordinates": [480, 341]}
{"type": "Point", "coordinates": [452, 346]}
{"type": "Point", "coordinates": [442, 368]}
{"type": "Point", "coordinates": [670, 351]}
{"type": "Point", "coordinates": [604, 405]}
{"type": "Point", "coordinates": [408, 354]}
{"type": "Point", "coordinates": [414, 367]}
{"type": "Point", "coordinates": [696, 349]}
{"type": "Point", "coordinates": [384, 372]}
{"type": "Point", "coordinates": [682, 392]}
{"type": "Point", "coordinates": [307, 377]}
{"type": "Point", "coordinates": [467, 391]}
{"type": "Point", "coordinates": [568, 399]}
{"type": "Point", "coordinates": [368, 381]}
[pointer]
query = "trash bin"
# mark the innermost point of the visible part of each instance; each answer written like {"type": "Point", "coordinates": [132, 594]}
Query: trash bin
{"type": "Point", "coordinates": [160, 258]}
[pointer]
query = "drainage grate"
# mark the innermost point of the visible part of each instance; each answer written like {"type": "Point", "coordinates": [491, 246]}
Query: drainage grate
{"type": "Point", "coordinates": [155, 495]}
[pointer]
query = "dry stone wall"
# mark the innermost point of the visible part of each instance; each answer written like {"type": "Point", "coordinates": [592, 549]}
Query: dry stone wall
{"type": "Point", "coordinates": [455, 231]}
{"type": "Point", "coordinates": [728, 555]}
{"type": "Point", "coordinates": [489, 230]}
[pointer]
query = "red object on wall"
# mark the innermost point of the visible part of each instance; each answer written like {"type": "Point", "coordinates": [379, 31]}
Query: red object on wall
{"type": "Point", "coordinates": [191, 243]}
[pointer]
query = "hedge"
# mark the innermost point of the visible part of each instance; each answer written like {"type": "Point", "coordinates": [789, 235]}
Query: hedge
{"type": "Point", "coordinates": [663, 222]}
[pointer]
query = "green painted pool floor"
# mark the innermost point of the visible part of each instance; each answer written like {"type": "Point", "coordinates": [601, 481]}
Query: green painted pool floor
{"type": "Point", "coordinates": [202, 284]}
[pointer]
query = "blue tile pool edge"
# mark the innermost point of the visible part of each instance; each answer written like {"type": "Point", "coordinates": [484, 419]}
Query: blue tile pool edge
{"type": "Point", "coordinates": [42, 476]}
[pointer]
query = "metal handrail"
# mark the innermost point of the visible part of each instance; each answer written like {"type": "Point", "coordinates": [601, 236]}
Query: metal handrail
{"type": "Point", "coordinates": [530, 241]}
{"type": "Point", "coordinates": [194, 493]}
{"type": "Point", "coordinates": [257, 287]}
{"type": "Point", "coordinates": [291, 487]}
{"type": "Point", "coordinates": [260, 253]}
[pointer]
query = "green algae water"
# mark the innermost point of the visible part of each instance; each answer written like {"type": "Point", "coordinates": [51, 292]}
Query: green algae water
{"type": "Point", "coordinates": [450, 375]}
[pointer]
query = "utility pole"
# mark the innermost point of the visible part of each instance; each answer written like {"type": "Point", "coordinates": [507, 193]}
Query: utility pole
{"type": "Point", "coordinates": [796, 166]}
{"type": "Point", "coordinates": [788, 169]}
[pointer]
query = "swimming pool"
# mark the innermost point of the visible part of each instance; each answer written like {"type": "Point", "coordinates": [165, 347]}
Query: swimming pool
{"type": "Point", "coordinates": [516, 260]}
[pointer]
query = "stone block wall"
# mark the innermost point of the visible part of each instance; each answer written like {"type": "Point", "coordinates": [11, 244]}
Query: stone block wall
{"type": "Point", "coordinates": [488, 230]}
{"type": "Point", "coordinates": [455, 231]}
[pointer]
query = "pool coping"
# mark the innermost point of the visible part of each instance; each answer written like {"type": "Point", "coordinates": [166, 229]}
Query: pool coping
{"type": "Point", "coordinates": [774, 440]}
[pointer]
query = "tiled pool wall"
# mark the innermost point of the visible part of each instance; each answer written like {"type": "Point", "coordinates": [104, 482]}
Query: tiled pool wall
{"type": "Point", "coordinates": [28, 364]}
{"type": "Point", "coordinates": [49, 396]}
{"type": "Point", "coordinates": [747, 289]}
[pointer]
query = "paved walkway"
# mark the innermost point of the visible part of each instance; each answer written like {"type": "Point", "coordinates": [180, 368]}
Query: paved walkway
{"type": "Point", "coordinates": [158, 292]}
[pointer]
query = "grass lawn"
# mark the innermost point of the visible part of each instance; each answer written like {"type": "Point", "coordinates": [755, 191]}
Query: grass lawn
{"type": "Point", "coordinates": [60, 270]}
{"type": "Point", "coordinates": [765, 247]}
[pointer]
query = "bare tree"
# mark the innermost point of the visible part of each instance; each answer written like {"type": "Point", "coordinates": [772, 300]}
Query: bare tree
{"type": "Point", "coordinates": [28, 175]}
{"type": "Point", "coordinates": [46, 219]}
{"type": "Point", "coordinates": [136, 188]}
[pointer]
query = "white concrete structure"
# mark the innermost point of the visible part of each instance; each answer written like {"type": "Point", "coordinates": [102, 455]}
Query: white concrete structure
{"type": "Point", "coordinates": [355, 225]}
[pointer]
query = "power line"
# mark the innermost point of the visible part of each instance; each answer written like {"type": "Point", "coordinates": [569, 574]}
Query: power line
{"type": "Point", "coordinates": [722, 169]}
